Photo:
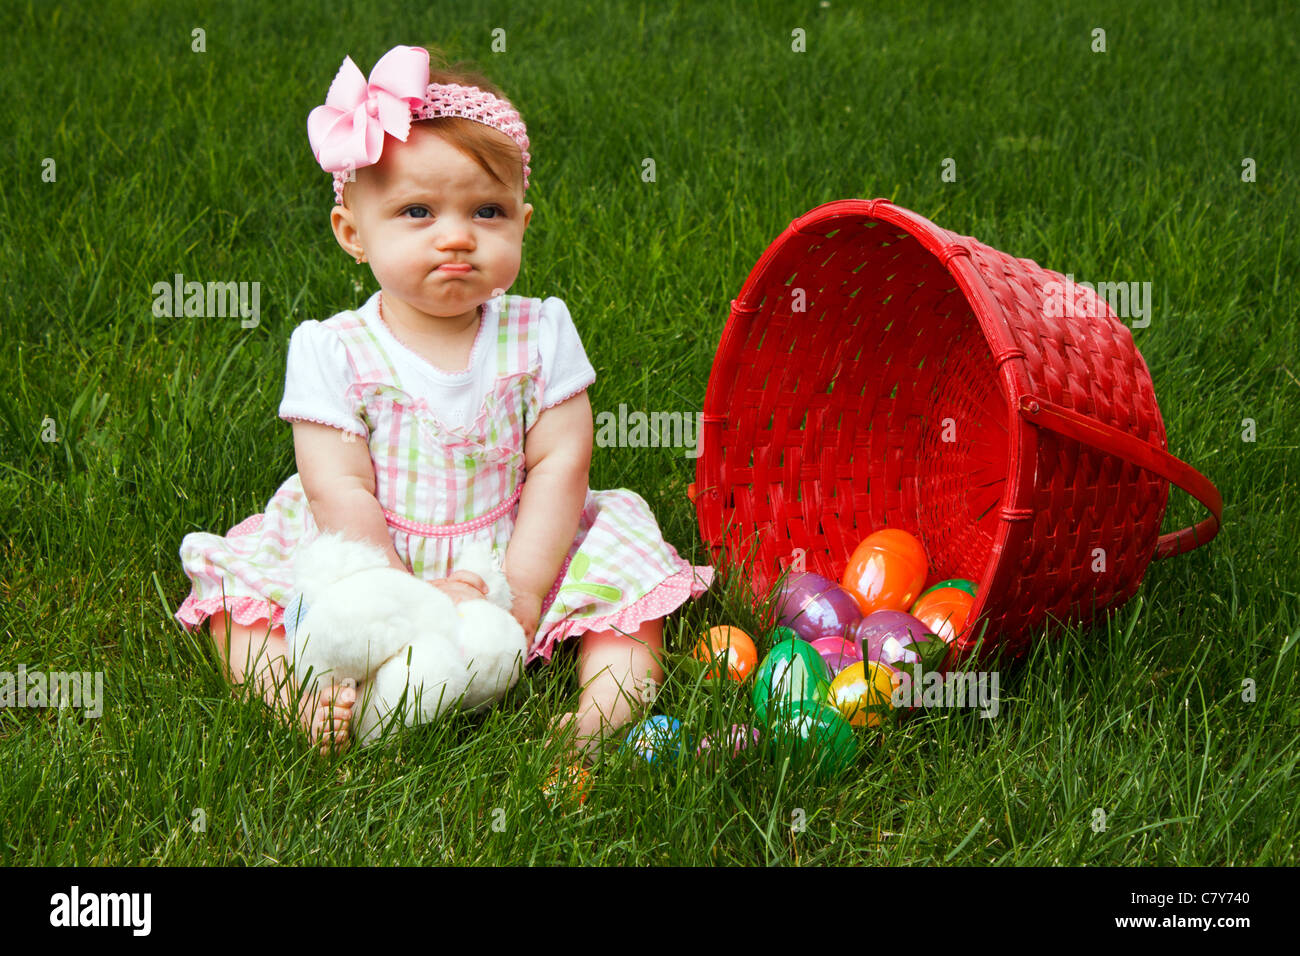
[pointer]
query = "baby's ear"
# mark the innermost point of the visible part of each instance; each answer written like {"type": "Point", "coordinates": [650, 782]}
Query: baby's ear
{"type": "Point", "coordinates": [343, 222]}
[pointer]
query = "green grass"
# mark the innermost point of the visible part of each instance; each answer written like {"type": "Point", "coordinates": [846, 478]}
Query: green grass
{"type": "Point", "coordinates": [1124, 165]}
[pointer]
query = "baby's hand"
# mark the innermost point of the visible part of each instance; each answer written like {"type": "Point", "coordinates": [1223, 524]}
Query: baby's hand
{"type": "Point", "coordinates": [462, 586]}
{"type": "Point", "coordinates": [527, 610]}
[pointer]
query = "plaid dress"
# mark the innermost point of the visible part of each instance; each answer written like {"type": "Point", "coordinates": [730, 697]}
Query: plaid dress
{"type": "Point", "coordinates": [441, 486]}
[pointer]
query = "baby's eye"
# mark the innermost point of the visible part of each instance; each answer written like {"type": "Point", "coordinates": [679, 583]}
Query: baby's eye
{"type": "Point", "coordinates": [417, 212]}
{"type": "Point", "coordinates": [500, 212]}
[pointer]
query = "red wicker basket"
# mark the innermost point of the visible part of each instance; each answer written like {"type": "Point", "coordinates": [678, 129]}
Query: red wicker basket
{"type": "Point", "coordinates": [878, 370]}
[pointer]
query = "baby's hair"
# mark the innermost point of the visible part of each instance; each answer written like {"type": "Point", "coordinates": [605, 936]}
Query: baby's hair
{"type": "Point", "coordinates": [491, 149]}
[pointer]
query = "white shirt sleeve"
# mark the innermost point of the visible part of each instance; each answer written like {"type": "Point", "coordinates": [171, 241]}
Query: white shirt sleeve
{"type": "Point", "coordinates": [316, 380]}
{"type": "Point", "coordinates": [565, 368]}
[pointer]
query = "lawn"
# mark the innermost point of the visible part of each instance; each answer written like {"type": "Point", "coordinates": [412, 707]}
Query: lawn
{"type": "Point", "coordinates": [135, 158]}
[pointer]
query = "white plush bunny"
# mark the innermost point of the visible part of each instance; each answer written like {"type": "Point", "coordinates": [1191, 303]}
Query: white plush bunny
{"type": "Point", "coordinates": [395, 634]}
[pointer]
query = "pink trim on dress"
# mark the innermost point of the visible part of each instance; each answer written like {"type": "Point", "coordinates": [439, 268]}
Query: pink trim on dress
{"type": "Point", "coordinates": [244, 610]}
{"type": "Point", "coordinates": [570, 395]}
{"type": "Point", "coordinates": [480, 341]}
{"type": "Point", "coordinates": [291, 417]}
{"type": "Point", "coordinates": [667, 596]}
{"type": "Point", "coordinates": [445, 530]}
{"type": "Point", "coordinates": [247, 526]}
{"type": "Point", "coordinates": [555, 587]}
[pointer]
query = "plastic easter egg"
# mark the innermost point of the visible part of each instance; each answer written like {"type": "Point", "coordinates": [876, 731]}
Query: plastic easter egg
{"type": "Point", "coordinates": [781, 633]}
{"type": "Point", "coordinates": [734, 645]}
{"type": "Point", "coordinates": [812, 730]}
{"type": "Point", "coordinates": [944, 612]}
{"type": "Point", "coordinates": [739, 737]}
{"type": "Point", "coordinates": [886, 571]}
{"type": "Point", "coordinates": [572, 782]}
{"type": "Point", "coordinates": [656, 739]}
{"type": "Point", "coordinates": [941, 594]}
{"type": "Point", "coordinates": [963, 584]}
{"type": "Point", "coordinates": [863, 693]}
{"type": "Point", "coordinates": [894, 638]}
{"type": "Point", "coordinates": [791, 672]}
{"type": "Point", "coordinates": [815, 606]}
{"type": "Point", "coordinates": [838, 652]}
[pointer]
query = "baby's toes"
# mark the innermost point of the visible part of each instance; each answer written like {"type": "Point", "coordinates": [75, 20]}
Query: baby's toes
{"type": "Point", "coordinates": [561, 730]}
{"type": "Point", "coordinates": [332, 720]}
{"type": "Point", "coordinates": [331, 727]}
{"type": "Point", "coordinates": [565, 732]}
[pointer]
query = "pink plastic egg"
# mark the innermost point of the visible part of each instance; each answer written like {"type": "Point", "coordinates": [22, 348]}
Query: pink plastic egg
{"type": "Point", "coordinates": [838, 653]}
{"type": "Point", "coordinates": [737, 739]}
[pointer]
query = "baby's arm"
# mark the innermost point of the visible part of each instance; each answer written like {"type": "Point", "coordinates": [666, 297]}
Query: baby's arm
{"type": "Point", "coordinates": [339, 479]}
{"type": "Point", "coordinates": [557, 459]}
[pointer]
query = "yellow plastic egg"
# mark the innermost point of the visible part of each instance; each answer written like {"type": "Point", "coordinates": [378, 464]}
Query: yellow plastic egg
{"type": "Point", "coordinates": [862, 693]}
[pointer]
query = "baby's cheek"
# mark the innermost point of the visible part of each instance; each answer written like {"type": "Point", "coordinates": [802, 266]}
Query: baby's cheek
{"type": "Point", "coordinates": [510, 271]}
{"type": "Point", "coordinates": [402, 266]}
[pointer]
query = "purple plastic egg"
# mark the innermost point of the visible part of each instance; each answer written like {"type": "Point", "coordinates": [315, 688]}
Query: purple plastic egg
{"type": "Point", "coordinates": [838, 653]}
{"type": "Point", "coordinates": [815, 607]}
{"type": "Point", "coordinates": [884, 636]}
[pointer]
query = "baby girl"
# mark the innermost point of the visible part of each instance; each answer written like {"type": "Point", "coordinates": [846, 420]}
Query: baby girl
{"type": "Point", "coordinates": [417, 416]}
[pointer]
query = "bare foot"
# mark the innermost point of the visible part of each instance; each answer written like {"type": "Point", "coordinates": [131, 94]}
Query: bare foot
{"type": "Point", "coordinates": [257, 654]}
{"type": "Point", "coordinates": [327, 716]}
{"type": "Point", "coordinates": [578, 738]}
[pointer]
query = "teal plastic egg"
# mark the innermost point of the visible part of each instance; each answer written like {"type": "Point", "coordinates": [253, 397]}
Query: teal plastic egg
{"type": "Point", "coordinates": [656, 739]}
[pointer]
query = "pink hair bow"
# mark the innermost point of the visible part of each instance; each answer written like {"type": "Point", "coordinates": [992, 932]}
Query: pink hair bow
{"type": "Point", "coordinates": [348, 131]}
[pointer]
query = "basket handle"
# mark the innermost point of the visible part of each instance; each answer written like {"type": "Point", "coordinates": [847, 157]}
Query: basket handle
{"type": "Point", "coordinates": [1134, 450]}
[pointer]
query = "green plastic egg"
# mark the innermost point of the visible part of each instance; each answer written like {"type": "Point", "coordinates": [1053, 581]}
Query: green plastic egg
{"type": "Point", "coordinates": [782, 633]}
{"type": "Point", "coordinates": [792, 671]}
{"type": "Point", "coordinates": [961, 584]}
{"type": "Point", "coordinates": [812, 731]}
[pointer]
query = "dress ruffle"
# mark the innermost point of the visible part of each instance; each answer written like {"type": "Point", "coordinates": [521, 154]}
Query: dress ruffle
{"type": "Point", "coordinates": [242, 610]}
{"type": "Point", "coordinates": [670, 594]}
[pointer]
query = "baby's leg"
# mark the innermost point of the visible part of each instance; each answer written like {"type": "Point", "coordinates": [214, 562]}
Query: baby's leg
{"type": "Point", "coordinates": [619, 674]}
{"type": "Point", "coordinates": [254, 652]}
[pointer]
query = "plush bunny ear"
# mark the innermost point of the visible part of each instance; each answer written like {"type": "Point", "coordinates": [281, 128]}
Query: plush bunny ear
{"type": "Point", "coordinates": [483, 560]}
{"type": "Point", "coordinates": [329, 558]}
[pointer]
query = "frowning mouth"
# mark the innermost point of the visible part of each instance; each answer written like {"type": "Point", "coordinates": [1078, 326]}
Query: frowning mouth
{"type": "Point", "coordinates": [455, 267]}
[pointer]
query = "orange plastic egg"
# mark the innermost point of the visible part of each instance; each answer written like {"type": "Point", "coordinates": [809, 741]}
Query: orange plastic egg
{"type": "Point", "coordinates": [887, 571]}
{"type": "Point", "coordinates": [571, 782]}
{"type": "Point", "coordinates": [944, 612]}
{"type": "Point", "coordinates": [735, 645]}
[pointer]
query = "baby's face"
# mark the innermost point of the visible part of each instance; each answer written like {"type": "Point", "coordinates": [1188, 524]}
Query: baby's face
{"type": "Point", "coordinates": [425, 203]}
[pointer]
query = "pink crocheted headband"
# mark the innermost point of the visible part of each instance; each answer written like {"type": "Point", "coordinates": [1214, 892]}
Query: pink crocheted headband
{"type": "Point", "coordinates": [348, 131]}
